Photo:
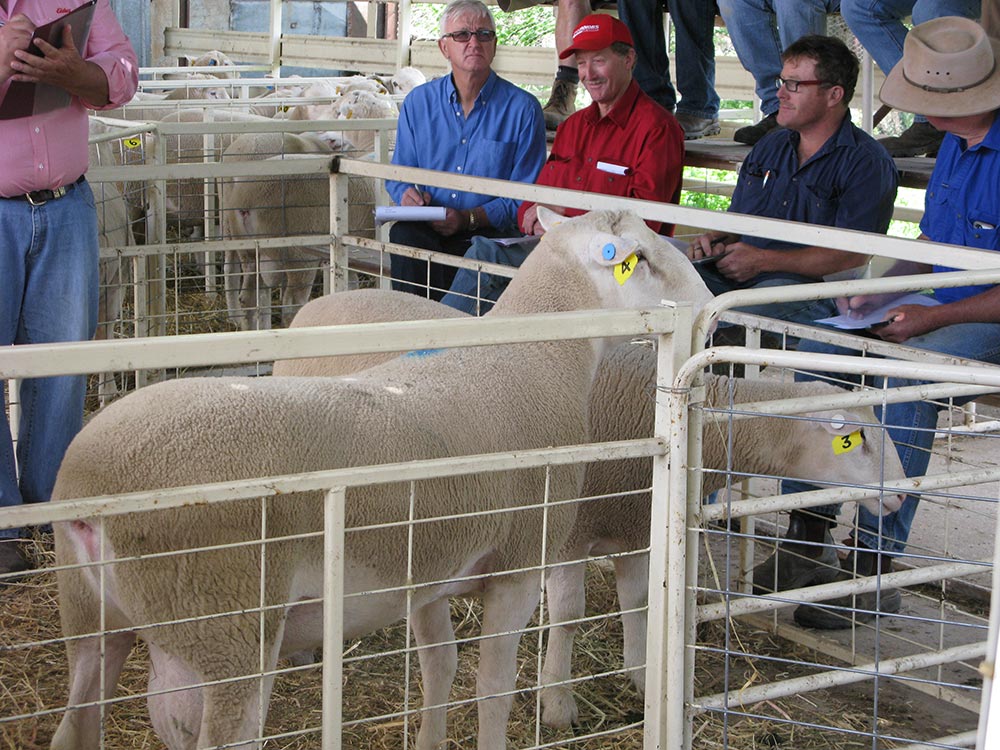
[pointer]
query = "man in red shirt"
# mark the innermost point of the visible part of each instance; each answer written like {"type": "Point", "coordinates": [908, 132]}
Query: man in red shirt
{"type": "Point", "coordinates": [623, 144]}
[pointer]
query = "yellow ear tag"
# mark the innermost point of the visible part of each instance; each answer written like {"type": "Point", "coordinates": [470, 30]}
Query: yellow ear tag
{"type": "Point", "coordinates": [625, 269]}
{"type": "Point", "coordinates": [847, 443]}
{"type": "Point", "coordinates": [132, 142]}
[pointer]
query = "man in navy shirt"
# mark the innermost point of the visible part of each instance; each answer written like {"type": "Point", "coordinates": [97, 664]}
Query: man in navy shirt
{"type": "Point", "coordinates": [949, 74]}
{"type": "Point", "coordinates": [471, 122]}
{"type": "Point", "coordinates": [818, 168]}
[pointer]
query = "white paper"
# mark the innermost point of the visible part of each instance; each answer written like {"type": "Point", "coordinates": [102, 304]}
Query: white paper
{"type": "Point", "coordinates": [849, 323]}
{"type": "Point", "coordinates": [527, 239]}
{"type": "Point", "coordinates": [606, 166]}
{"type": "Point", "coordinates": [409, 213]}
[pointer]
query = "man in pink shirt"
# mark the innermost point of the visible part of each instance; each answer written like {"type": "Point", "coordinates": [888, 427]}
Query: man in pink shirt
{"type": "Point", "coordinates": [48, 232]}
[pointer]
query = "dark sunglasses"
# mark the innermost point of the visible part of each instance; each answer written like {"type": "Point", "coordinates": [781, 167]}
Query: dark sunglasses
{"type": "Point", "coordinates": [483, 35]}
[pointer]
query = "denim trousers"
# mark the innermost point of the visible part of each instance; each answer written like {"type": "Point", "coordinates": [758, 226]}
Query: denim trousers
{"type": "Point", "coordinates": [804, 311]}
{"type": "Point", "coordinates": [411, 274]}
{"type": "Point", "coordinates": [694, 25]}
{"type": "Point", "coordinates": [762, 29]}
{"type": "Point", "coordinates": [475, 293]}
{"type": "Point", "coordinates": [48, 271]}
{"type": "Point", "coordinates": [878, 24]}
{"type": "Point", "coordinates": [911, 425]}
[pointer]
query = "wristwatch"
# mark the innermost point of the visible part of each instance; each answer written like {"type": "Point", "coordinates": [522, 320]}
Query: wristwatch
{"type": "Point", "coordinates": [473, 224]}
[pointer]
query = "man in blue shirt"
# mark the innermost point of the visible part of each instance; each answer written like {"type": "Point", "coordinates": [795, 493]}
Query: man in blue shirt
{"type": "Point", "coordinates": [471, 122]}
{"type": "Point", "coordinates": [949, 74]}
{"type": "Point", "coordinates": [819, 168]}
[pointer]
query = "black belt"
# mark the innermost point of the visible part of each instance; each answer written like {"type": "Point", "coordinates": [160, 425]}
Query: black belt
{"type": "Point", "coordinates": [41, 197]}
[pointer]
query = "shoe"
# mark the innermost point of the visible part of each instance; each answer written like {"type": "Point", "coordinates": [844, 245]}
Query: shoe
{"type": "Point", "coordinates": [698, 127]}
{"type": "Point", "coordinates": [841, 613]}
{"type": "Point", "coordinates": [12, 560]}
{"type": "Point", "coordinates": [561, 103]}
{"type": "Point", "coordinates": [794, 565]}
{"type": "Point", "coordinates": [750, 134]}
{"type": "Point", "coordinates": [920, 139]}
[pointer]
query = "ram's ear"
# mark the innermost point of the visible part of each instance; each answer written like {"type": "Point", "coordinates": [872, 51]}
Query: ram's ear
{"type": "Point", "coordinates": [837, 422]}
{"type": "Point", "coordinates": [549, 218]}
{"type": "Point", "coordinates": [609, 249]}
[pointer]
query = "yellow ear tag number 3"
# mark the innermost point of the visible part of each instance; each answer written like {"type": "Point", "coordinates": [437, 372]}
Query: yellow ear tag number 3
{"type": "Point", "coordinates": [847, 443]}
{"type": "Point", "coordinates": [625, 269]}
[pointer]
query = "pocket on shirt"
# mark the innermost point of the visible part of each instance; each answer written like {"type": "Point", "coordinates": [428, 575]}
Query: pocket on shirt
{"type": "Point", "coordinates": [824, 201]}
{"type": "Point", "coordinates": [492, 158]}
{"type": "Point", "coordinates": [981, 229]}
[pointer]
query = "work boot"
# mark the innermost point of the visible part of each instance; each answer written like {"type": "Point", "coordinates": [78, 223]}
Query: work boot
{"type": "Point", "coordinates": [12, 559]}
{"type": "Point", "coordinates": [844, 611]}
{"type": "Point", "coordinates": [804, 557]}
{"type": "Point", "coordinates": [561, 103]}
{"type": "Point", "coordinates": [750, 134]}
{"type": "Point", "coordinates": [698, 127]}
{"type": "Point", "coordinates": [920, 139]}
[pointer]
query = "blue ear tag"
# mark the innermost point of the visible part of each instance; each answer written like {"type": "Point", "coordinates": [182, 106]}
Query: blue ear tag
{"type": "Point", "coordinates": [609, 251]}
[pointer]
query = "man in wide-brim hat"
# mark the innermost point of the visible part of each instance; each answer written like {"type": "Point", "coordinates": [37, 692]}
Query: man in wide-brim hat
{"type": "Point", "coordinates": [949, 73]}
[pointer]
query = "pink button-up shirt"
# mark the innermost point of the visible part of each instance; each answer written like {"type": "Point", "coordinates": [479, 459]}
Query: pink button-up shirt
{"type": "Point", "coordinates": [50, 150]}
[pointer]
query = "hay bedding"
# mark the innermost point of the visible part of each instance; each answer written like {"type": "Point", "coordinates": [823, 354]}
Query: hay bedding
{"type": "Point", "coordinates": [35, 679]}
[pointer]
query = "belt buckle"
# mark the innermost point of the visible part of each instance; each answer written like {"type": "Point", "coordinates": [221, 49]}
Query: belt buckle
{"type": "Point", "coordinates": [32, 201]}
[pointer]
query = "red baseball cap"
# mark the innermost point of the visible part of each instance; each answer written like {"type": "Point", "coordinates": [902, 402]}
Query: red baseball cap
{"type": "Point", "coordinates": [597, 31]}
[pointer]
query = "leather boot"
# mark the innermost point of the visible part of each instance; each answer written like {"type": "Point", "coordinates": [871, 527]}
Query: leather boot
{"type": "Point", "coordinates": [561, 103]}
{"type": "Point", "coordinates": [841, 613]}
{"type": "Point", "coordinates": [920, 139]}
{"type": "Point", "coordinates": [804, 557]}
{"type": "Point", "coordinates": [12, 560]}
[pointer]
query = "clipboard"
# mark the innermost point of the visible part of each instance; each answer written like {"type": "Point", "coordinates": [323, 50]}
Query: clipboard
{"type": "Point", "coordinates": [27, 99]}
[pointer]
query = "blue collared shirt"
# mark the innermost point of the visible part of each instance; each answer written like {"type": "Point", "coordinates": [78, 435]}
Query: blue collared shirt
{"type": "Point", "coordinates": [961, 206]}
{"type": "Point", "coordinates": [503, 137]}
{"type": "Point", "coordinates": [849, 183]}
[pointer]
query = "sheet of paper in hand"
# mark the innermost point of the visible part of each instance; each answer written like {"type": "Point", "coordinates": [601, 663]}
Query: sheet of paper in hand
{"type": "Point", "coordinates": [26, 99]}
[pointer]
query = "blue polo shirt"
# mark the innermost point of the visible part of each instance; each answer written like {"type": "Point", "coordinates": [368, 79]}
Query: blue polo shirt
{"type": "Point", "coordinates": [503, 137]}
{"type": "Point", "coordinates": [849, 183]}
{"type": "Point", "coordinates": [961, 206]}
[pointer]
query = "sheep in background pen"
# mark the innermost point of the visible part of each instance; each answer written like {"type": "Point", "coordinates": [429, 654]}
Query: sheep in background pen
{"type": "Point", "coordinates": [617, 520]}
{"type": "Point", "coordinates": [474, 400]}
{"type": "Point", "coordinates": [277, 206]}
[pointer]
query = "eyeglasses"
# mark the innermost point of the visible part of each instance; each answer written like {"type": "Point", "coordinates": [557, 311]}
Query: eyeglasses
{"type": "Point", "coordinates": [793, 86]}
{"type": "Point", "coordinates": [483, 35]}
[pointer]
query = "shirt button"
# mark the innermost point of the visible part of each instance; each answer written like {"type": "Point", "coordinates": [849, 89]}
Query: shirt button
{"type": "Point", "coordinates": [578, 179]}
{"type": "Point", "coordinates": [37, 130]}
{"type": "Point", "coordinates": [453, 195]}
{"type": "Point", "coordinates": [458, 168]}
{"type": "Point", "coordinates": [463, 140]}
{"type": "Point", "coordinates": [784, 203]}
{"type": "Point", "coordinates": [41, 166]}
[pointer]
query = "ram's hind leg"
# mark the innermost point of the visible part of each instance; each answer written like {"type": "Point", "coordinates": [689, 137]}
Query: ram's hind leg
{"type": "Point", "coordinates": [567, 604]}
{"type": "Point", "coordinates": [507, 606]}
{"type": "Point", "coordinates": [438, 665]}
{"type": "Point", "coordinates": [176, 714]}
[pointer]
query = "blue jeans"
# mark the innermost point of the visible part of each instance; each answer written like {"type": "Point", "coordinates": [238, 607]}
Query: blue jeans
{"type": "Point", "coordinates": [911, 425]}
{"type": "Point", "coordinates": [878, 24]}
{"type": "Point", "coordinates": [804, 311]}
{"type": "Point", "coordinates": [694, 24]}
{"type": "Point", "coordinates": [475, 293]}
{"type": "Point", "coordinates": [762, 29]}
{"type": "Point", "coordinates": [411, 274]}
{"type": "Point", "coordinates": [48, 273]}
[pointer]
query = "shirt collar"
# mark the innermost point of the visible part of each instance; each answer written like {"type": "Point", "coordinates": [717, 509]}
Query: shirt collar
{"type": "Point", "coordinates": [621, 110]}
{"type": "Point", "coordinates": [844, 137]}
{"type": "Point", "coordinates": [992, 139]}
{"type": "Point", "coordinates": [484, 93]}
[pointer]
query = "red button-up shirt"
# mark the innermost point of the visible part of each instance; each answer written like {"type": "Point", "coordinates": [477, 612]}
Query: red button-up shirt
{"type": "Point", "coordinates": [637, 134]}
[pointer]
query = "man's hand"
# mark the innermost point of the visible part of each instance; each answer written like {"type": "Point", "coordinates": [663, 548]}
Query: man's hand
{"type": "Point", "coordinates": [860, 305]}
{"type": "Point", "coordinates": [63, 68]}
{"type": "Point", "coordinates": [708, 244]}
{"type": "Point", "coordinates": [742, 262]}
{"type": "Point", "coordinates": [454, 222]}
{"type": "Point", "coordinates": [414, 197]}
{"type": "Point", "coordinates": [531, 225]}
{"type": "Point", "coordinates": [15, 36]}
{"type": "Point", "coordinates": [907, 321]}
